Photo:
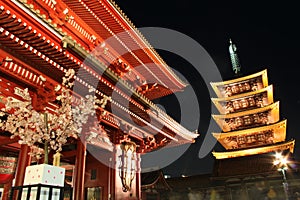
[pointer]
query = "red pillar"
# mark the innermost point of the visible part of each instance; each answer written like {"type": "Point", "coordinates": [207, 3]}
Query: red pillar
{"type": "Point", "coordinates": [23, 161]}
{"type": "Point", "coordinates": [6, 189]}
{"type": "Point", "coordinates": [78, 189]}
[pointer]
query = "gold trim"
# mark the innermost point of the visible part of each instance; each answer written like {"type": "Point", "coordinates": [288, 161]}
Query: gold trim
{"type": "Point", "coordinates": [232, 81]}
{"type": "Point", "coordinates": [251, 130]}
{"type": "Point", "coordinates": [274, 108]}
{"type": "Point", "coordinates": [268, 89]}
{"type": "Point", "coordinates": [279, 133]}
{"type": "Point", "coordinates": [248, 112]}
{"type": "Point", "coordinates": [253, 151]}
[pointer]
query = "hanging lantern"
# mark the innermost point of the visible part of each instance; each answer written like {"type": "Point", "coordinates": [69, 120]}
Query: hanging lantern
{"type": "Point", "coordinates": [127, 168]}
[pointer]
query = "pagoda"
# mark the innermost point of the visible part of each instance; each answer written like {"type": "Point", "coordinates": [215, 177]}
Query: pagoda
{"type": "Point", "coordinates": [250, 122]}
{"type": "Point", "coordinates": [40, 41]}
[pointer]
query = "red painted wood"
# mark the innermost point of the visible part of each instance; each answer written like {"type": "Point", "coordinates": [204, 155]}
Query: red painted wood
{"type": "Point", "coordinates": [7, 140]}
{"type": "Point", "coordinates": [5, 178]}
{"type": "Point", "coordinates": [23, 162]}
{"type": "Point", "coordinates": [79, 175]}
{"type": "Point", "coordinates": [6, 190]}
{"type": "Point", "coordinates": [102, 174]}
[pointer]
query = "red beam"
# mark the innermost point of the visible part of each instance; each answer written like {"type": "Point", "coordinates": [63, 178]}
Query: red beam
{"type": "Point", "coordinates": [68, 154]}
{"type": "Point", "coordinates": [7, 140]}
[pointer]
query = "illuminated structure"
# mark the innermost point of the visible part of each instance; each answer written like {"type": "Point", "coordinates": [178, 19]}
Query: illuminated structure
{"type": "Point", "coordinates": [249, 117]}
{"type": "Point", "coordinates": [41, 40]}
{"type": "Point", "coordinates": [257, 162]}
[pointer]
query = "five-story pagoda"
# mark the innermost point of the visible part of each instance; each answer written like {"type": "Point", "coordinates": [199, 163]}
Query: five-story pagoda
{"type": "Point", "coordinates": [250, 123]}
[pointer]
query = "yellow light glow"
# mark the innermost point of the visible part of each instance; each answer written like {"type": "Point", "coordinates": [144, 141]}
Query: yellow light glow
{"type": "Point", "coordinates": [278, 155]}
{"type": "Point", "coordinates": [276, 162]}
{"type": "Point", "coordinates": [283, 161]}
{"type": "Point", "coordinates": [258, 150]}
{"type": "Point", "coordinates": [280, 160]}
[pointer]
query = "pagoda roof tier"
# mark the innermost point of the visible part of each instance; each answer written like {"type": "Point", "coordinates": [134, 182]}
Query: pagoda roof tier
{"type": "Point", "coordinates": [249, 118]}
{"type": "Point", "coordinates": [289, 145]}
{"type": "Point", "coordinates": [102, 29]}
{"type": "Point", "coordinates": [244, 101]}
{"type": "Point", "coordinates": [253, 137]}
{"type": "Point", "coordinates": [241, 85]}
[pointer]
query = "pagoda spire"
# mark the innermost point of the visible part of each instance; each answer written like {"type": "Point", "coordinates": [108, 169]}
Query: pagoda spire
{"type": "Point", "coordinates": [236, 66]}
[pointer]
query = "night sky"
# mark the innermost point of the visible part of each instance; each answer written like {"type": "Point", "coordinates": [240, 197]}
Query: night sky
{"type": "Point", "coordinates": [266, 34]}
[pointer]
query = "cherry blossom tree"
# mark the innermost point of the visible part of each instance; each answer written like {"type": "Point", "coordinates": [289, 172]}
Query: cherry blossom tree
{"type": "Point", "coordinates": [51, 129]}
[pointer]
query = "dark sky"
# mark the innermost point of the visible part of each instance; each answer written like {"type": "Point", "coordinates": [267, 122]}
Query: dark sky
{"type": "Point", "coordinates": [267, 37]}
